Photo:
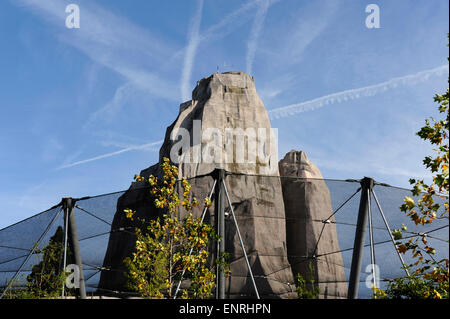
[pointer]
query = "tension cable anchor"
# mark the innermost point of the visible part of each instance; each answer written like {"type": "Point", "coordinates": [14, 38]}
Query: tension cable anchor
{"type": "Point", "coordinates": [422, 234]}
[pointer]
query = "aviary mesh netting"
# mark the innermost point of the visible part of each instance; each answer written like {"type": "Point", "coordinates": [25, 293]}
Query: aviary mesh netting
{"type": "Point", "coordinates": [327, 238]}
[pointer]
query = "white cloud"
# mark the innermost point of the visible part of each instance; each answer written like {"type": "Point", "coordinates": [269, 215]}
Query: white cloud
{"type": "Point", "coordinates": [225, 26]}
{"type": "Point", "coordinates": [306, 29]}
{"type": "Point", "coordinates": [110, 109]}
{"type": "Point", "coordinates": [118, 44]}
{"type": "Point", "coordinates": [272, 89]}
{"type": "Point", "coordinates": [287, 41]}
{"type": "Point", "coordinates": [230, 22]}
{"type": "Point", "coordinates": [219, 30]}
{"type": "Point", "coordinates": [112, 41]}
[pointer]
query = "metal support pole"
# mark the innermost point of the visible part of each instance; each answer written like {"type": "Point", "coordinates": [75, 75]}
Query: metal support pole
{"type": "Point", "coordinates": [372, 248]}
{"type": "Point", "coordinates": [355, 272]}
{"type": "Point", "coordinates": [75, 244]}
{"type": "Point", "coordinates": [66, 230]}
{"type": "Point", "coordinates": [219, 211]}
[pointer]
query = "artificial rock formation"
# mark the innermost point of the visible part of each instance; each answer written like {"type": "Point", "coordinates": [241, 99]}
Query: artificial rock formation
{"type": "Point", "coordinates": [309, 232]}
{"type": "Point", "coordinates": [226, 125]}
{"type": "Point", "coordinates": [225, 116]}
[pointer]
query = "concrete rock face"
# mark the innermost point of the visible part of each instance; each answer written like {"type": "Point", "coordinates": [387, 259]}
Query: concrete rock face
{"type": "Point", "coordinates": [223, 106]}
{"type": "Point", "coordinates": [225, 125]}
{"type": "Point", "coordinates": [307, 202]}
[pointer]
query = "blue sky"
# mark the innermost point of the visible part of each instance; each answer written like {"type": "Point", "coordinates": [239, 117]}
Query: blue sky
{"type": "Point", "coordinates": [82, 110]}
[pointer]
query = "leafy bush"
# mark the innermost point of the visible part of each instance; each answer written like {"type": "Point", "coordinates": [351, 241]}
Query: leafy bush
{"type": "Point", "coordinates": [170, 249]}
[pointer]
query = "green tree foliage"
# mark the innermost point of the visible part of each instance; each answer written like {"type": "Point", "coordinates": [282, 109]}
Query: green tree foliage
{"type": "Point", "coordinates": [306, 287]}
{"type": "Point", "coordinates": [47, 277]}
{"type": "Point", "coordinates": [169, 246]}
{"type": "Point", "coordinates": [429, 277]}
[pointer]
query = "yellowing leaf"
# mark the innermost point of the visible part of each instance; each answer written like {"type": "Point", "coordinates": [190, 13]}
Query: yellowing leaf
{"type": "Point", "coordinates": [409, 202]}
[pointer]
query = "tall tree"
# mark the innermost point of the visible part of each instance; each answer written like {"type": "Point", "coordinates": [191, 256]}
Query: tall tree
{"type": "Point", "coordinates": [47, 277]}
{"type": "Point", "coordinates": [429, 277]}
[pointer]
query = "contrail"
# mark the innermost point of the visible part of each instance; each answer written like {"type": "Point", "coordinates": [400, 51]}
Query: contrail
{"type": "Point", "coordinates": [310, 105]}
{"type": "Point", "coordinates": [127, 149]}
{"type": "Point", "coordinates": [193, 42]}
{"type": "Point", "coordinates": [258, 23]}
{"type": "Point", "coordinates": [230, 21]}
{"type": "Point", "coordinates": [356, 93]}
